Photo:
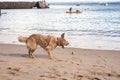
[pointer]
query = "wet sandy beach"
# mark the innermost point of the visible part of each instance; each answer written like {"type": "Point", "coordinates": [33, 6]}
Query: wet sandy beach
{"type": "Point", "coordinates": [70, 64]}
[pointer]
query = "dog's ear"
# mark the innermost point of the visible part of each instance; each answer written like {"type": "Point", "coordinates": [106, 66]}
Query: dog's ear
{"type": "Point", "coordinates": [62, 35]}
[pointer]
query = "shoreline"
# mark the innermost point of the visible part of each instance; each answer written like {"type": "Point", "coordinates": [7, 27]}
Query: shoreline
{"type": "Point", "coordinates": [69, 64]}
{"type": "Point", "coordinates": [70, 47]}
{"type": "Point", "coordinates": [82, 42]}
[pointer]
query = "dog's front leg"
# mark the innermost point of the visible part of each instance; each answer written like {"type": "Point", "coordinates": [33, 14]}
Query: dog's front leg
{"type": "Point", "coordinates": [50, 54]}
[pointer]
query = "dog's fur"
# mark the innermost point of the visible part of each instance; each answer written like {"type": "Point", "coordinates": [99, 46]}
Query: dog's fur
{"type": "Point", "coordinates": [46, 42]}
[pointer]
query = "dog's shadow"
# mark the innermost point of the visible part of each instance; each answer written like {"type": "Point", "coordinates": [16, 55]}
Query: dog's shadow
{"type": "Point", "coordinates": [18, 55]}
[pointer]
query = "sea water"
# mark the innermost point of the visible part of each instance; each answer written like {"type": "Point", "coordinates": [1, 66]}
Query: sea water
{"type": "Point", "coordinates": [97, 27]}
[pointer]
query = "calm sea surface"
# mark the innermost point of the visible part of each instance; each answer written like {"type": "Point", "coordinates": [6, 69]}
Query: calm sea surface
{"type": "Point", "coordinates": [98, 27]}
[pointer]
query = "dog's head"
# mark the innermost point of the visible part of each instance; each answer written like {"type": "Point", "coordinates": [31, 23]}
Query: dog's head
{"type": "Point", "coordinates": [62, 41]}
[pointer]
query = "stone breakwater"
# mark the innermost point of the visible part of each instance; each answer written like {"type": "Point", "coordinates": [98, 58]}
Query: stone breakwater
{"type": "Point", "coordinates": [22, 5]}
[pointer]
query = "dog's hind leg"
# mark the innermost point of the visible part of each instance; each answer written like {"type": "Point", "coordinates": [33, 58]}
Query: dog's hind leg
{"type": "Point", "coordinates": [32, 46]}
{"type": "Point", "coordinates": [31, 53]}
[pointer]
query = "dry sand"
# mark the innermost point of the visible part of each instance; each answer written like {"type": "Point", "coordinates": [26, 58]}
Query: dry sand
{"type": "Point", "coordinates": [70, 64]}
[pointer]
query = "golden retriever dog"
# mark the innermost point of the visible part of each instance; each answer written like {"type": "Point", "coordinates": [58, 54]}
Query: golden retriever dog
{"type": "Point", "coordinates": [46, 42]}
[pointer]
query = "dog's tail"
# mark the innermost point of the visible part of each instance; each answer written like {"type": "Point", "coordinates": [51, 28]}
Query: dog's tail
{"type": "Point", "coordinates": [22, 39]}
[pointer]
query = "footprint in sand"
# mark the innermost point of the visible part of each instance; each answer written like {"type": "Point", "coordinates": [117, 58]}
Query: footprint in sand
{"type": "Point", "coordinates": [118, 75]}
{"type": "Point", "coordinates": [78, 77]}
{"type": "Point", "coordinates": [48, 75]}
{"type": "Point", "coordinates": [81, 77]}
{"type": "Point", "coordinates": [15, 71]}
{"type": "Point", "coordinates": [2, 61]}
{"type": "Point", "coordinates": [96, 78]}
{"type": "Point", "coordinates": [62, 79]}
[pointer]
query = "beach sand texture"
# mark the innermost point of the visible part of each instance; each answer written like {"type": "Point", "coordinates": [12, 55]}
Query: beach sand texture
{"type": "Point", "coordinates": [70, 64]}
